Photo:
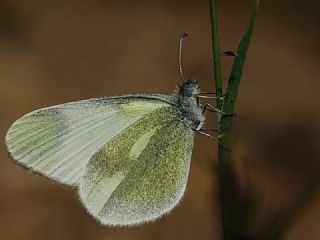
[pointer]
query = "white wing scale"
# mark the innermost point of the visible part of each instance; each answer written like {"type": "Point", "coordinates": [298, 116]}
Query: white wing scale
{"type": "Point", "coordinates": [58, 141]}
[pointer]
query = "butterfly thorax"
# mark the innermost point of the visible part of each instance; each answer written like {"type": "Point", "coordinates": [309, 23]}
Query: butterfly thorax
{"type": "Point", "coordinates": [190, 111]}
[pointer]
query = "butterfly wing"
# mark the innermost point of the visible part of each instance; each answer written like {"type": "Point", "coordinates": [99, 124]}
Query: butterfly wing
{"type": "Point", "coordinates": [58, 141]}
{"type": "Point", "coordinates": [142, 173]}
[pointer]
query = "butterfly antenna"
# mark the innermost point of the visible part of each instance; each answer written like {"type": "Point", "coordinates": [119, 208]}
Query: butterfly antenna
{"type": "Point", "coordinates": [183, 35]}
{"type": "Point", "coordinates": [203, 66]}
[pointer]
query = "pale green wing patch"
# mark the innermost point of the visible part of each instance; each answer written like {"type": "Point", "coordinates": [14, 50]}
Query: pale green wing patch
{"type": "Point", "coordinates": [58, 141]}
{"type": "Point", "coordinates": [142, 173]}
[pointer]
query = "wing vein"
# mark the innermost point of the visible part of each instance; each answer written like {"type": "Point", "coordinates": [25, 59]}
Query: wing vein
{"type": "Point", "coordinates": [72, 136]}
{"type": "Point", "coordinates": [65, 130]}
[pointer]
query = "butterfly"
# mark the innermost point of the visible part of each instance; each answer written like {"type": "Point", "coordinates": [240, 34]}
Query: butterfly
{"type": "Point", "coordinates": [128, 156]}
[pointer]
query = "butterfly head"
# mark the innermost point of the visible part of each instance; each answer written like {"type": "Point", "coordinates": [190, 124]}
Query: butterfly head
{"type": "Point", "coordinates": [189, 88]}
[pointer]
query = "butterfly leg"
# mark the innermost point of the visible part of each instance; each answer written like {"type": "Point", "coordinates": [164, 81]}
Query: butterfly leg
{"type": "Point", "coordinates": [213, 138]}
{"type": "Point", "coordinates": [208, 93]}
{"type": "Point", "coordinates": [204, 95]}
{"type": "Point", "coordinates": [210, 108]}
{"type": "Point", "coordinates": [209, 130]}
{"type": "Point", "coordinates": [207, 135]}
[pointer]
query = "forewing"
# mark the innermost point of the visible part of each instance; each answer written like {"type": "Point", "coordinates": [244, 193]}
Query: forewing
{"type": "Point", "coordinates": [142, 173]}
{"type": "Point", "coordinates": [58, 141]}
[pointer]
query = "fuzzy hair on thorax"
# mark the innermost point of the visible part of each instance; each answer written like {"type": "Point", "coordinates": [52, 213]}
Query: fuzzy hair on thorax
{"type": "Point", "coordinates": [191, 112]}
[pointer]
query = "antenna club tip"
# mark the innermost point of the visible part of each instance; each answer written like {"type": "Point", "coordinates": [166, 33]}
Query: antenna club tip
{"type": "Point", "coordinates": [183, 34]}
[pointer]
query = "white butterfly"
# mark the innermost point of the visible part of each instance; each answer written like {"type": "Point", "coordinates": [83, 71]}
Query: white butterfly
{"type": "Point", "coordinates": [129, 156]}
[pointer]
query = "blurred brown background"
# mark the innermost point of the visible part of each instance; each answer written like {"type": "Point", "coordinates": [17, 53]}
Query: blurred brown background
{"type": "Point", "coordinates": [58, 51]}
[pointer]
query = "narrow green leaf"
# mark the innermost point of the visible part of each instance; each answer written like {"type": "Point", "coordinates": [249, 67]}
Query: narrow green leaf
{"type": "Point", "coordinates": [228, 191]}
{"type": "Point", "coordinates": [236, 73]}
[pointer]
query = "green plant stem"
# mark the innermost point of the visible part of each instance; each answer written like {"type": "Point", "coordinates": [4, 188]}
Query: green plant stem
{"type": "Point", "coordinates": [228, 191]}
{"type": "Point", "coordinates": [218, 82]}
{"type": "Point", "coordinates": [216, 52]}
